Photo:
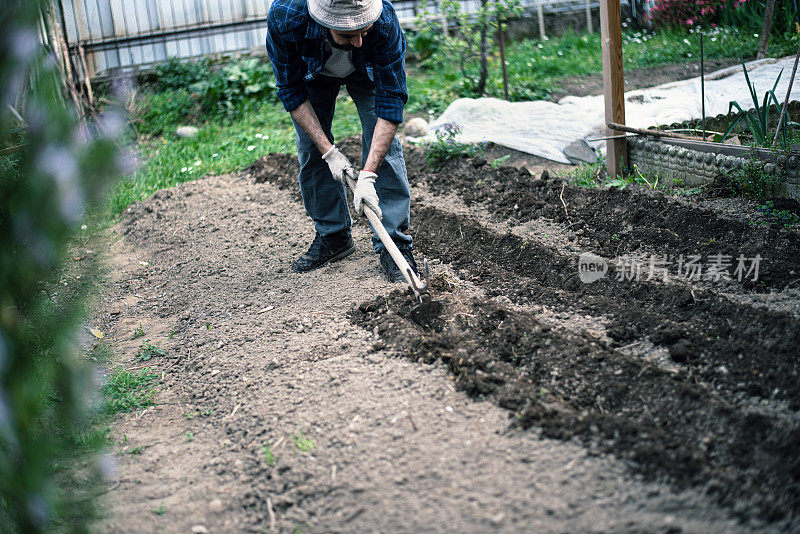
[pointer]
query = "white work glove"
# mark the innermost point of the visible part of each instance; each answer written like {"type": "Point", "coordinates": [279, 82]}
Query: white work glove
{"type": "Point", "coordinates": [339, 165]}
{"type": "Point", "coordinates": [365, 193]}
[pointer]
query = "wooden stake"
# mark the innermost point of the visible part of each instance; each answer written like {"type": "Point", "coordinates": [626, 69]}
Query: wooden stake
{"type": "Point", "coordinates": [540, 10]}
{"type": "Point", "coordinates": [589, 17]}
{"type": "Point", "coordinates": [613, 82]}
{"type": "Point", "coordinates": [86, 78]}
{"type": "Point", "coordinates": [651, 133]}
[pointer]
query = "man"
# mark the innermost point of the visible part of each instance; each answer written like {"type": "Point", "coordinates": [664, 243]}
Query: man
{"type": "Point", "coordinates": [316, 46]}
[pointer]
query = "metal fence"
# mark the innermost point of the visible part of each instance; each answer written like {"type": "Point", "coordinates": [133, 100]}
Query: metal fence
{"type": "Point", "coordinates": [110, 36]}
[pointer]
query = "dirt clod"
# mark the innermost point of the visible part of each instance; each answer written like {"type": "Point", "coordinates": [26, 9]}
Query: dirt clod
{"type": "Point", "coordinates": [681, 351]}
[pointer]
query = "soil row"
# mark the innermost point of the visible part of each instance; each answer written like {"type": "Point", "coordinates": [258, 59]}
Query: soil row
{"type": "Point", "coordinates": [737, 348]}
{"type": "Point", "coordinates": [663, 425]}
{"type": "Point", "coordinates": [620, 221]}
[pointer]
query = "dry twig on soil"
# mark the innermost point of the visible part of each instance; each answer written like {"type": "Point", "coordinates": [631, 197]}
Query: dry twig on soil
{"type": "Point", "coordinates": [561, 197]}
{"type": "Point", "coordinates": [271, 513]}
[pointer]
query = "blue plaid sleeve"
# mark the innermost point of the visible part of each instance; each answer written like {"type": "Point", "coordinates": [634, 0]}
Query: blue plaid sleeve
{"type": "Point", "coordinates": [284, 21]}
{"type": "Point", "coordinates": [386, 54]}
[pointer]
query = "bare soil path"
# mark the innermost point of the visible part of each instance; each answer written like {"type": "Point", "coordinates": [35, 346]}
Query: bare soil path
{"type": "Point", "coordinates": [276, 413]}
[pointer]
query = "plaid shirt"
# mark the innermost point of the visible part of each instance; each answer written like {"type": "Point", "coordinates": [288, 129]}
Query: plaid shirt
{"type": "Point", "coordinates": [295, 44]}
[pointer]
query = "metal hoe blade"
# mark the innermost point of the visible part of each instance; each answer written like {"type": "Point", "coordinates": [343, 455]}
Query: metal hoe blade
{"type": "Point", "coordinates": [423, 288]}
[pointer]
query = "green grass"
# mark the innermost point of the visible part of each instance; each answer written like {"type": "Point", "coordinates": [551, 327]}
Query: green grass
{"type": "Point", "coordinates": [587, 174]}
{"type": "Point", "coordinates": [221, 146]}
{"type": "Point", "coordinates": [303, 443]}
{"type": "Point", "coordinates": [102, 352]}
{"type": "Point", "coordinates": [92, 438]}
{"type": "Point", "coordinates": [535, 67]}
{"type": "Point", "coordinates": [645, 49]}
{"type": "Point", "coordinates": [268, 455]}
{"type": "Point", "coordinates": [431, 91]}
{"type": "Point", "coordinates": [126, 391]}
{"type": "Point", "coordinates": [595, 175]}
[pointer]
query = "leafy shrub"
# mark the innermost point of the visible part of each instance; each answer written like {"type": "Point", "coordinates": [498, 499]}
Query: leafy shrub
{"type": "Point", "coordinates": [787, 18]}
{"type": "Point", "coordinates": [745, 14]}
{"type": "Point", "coordinates": [176, 73]}
{"type": "Point", "coordinates": [185, 91]}
{"type": "Point", "coordinates": [233, 88]}
{"type": "Point", "coordinates": [686, 13]}
{"type": "Point", "coordinates": [160, 112]}
{"type": "Point", "coordinates": [446, 147]}
{"type": "Point", "coordinates": [423, 43]}
{"type": "Point", "coordinates": [44, 189]}
{"type": "Point", "coordinates": [749, 14]}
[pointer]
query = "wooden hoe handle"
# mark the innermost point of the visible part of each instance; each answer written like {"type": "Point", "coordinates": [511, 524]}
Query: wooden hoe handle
{"type": "Point", "coordinates": [413, 280]}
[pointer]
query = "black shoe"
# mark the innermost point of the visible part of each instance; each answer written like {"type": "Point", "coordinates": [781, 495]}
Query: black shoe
{"type": "Point", "coordinates": [390, 268]}
{"type": "Point", "coordinates": [325, 250]}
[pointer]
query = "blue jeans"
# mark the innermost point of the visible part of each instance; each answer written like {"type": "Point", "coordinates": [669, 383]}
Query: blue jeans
{"type": "Point", "coordinates": [324, 198]}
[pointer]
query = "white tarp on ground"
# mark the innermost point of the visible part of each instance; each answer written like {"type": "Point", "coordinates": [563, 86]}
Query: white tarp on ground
{"type": "Point", "coordinates": [545, 128]}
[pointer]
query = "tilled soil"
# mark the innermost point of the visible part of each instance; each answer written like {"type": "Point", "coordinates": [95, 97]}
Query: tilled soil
{"type": "Point", "coordinates": [517, 399]}
{"type": "Point", "coordinates": [681, 381]}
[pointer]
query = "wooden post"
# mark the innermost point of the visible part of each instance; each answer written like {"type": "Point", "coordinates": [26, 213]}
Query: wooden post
{"type": "Point", "coordinates": [86, 76]}
{"type": "Point", "coordinates": [72, 71]}
{"type": "Point", "coordinates": [589, 16]}
{"type": "Point", "coordinates": [61, 51]}
{"type": "Point", "coordinates": [613, 82]}
{"type": "Point", "coordinates": [540, 10]}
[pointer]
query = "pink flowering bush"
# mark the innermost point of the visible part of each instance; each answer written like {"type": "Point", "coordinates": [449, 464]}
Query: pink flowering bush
{"type": "Point", "coordinates": [686, 13]}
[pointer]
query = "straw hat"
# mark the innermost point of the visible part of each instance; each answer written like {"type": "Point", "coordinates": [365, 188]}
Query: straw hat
{"type": "Point", "coordinates": [345, 15]}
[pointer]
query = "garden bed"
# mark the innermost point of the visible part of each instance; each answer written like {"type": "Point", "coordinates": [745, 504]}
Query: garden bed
{"type": "Point", "coordinates": [693, 163]}
{"type": "Point", "coordinates": [689, 381]}
{"type": "Point", "coordinates": [683, 383]}
{"type": "Point", "coordinates": [551, 404]}
{"type": "Point", "coordinates": [689, 163]}
{"type": "Point", "coordinates": [286, 401]}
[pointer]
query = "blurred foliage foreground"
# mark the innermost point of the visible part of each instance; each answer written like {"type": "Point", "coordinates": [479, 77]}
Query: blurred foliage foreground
{"type": "Point", "coordinates": [54, 167]}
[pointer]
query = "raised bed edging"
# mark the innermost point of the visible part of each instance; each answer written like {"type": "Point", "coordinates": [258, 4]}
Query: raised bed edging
{"type": "Point", "coordinates": [670, 161]}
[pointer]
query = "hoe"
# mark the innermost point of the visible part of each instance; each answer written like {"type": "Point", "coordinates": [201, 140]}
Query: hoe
{"type": "Point", "coordinates": [420, 287]}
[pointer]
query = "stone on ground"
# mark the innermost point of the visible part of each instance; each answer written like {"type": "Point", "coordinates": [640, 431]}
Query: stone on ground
{"type": "Point", "coordinates": [417, 127]}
